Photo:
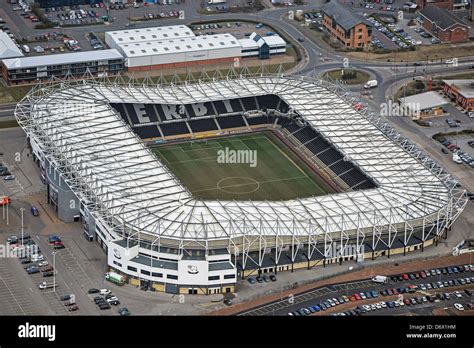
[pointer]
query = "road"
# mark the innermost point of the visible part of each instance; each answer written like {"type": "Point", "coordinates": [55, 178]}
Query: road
{"type": "Point", "coordinates": [6, 111]}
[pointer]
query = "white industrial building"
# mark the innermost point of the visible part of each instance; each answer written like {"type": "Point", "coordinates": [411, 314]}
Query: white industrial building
{"type": "Point", "coordinates": [177, 46]}
{"type": "Point", "coordinates": [262, 46]}
{"type": "Point", "coordinates": [114, 39]}
{"type": "Point", "coordinates": [177, 53]}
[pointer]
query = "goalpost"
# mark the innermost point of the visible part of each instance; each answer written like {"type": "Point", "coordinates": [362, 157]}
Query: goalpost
{"type": "Point", "coordinates": [197, 141]}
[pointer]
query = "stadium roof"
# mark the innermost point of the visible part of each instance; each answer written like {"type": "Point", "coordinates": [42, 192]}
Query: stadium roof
{"type": "Point", "coordinates": [8, 49]}
{"type": "Point", "coordinates": [64, 58]}
{"type": "Point", "coordinates": [150, 34]}
{"type": "Point", "coordinates": [104, 162]}
{"type": "Point", "coordinates": [188, 44]}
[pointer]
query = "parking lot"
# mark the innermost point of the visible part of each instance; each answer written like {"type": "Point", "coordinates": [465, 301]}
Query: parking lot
{"type": "Point", "coordinates": [422, 286]}
{"type": "Point", "coordinates": [15, 299]}
{"type": "Point", "coordinates": [239, 29]}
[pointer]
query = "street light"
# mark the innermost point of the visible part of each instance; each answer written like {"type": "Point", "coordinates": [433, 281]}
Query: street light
{"type": "Point", "coordinates": [22, 210]}
{"type": "Point", "coordinates": [54, 270]}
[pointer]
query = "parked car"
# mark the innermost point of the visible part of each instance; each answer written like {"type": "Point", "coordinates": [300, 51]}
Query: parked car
{"type": "Point", "coordinates": [52, 239]}
{"type": "Point", "coordinates": [93, 291]}
{"type": "Point", "coordinates": [34, 211]}
{"type": "Point", "coordinates": [58, 245]}
{"type": "Point", "coordinates": [73, 308]}
{"type": "Point", "coordinates": [32, 270]}
{"type": "Point", "coordinates": [46, 268]}
{"type": "Point", "coordinates": [124, 311]}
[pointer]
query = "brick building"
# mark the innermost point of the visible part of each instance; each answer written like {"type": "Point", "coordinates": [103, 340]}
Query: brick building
{"type": "Point", "coordinates": [461, 92]}
{"type": "Point", "coordinates": [446, 4]}
{"type": "Point", "coordinates": [345, 27]}
{"type": "Point", "coordinates": [444, 25]}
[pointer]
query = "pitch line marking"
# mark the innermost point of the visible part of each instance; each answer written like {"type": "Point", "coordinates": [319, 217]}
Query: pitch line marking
{"type": "Point", "coordinates": [296, 165]}
{"type": "Point", "coordinates": [259, 182]}
{"type": "Point", "coordinates": [252, 182]}
{"type": "Point", "coordinates": [194, 160]}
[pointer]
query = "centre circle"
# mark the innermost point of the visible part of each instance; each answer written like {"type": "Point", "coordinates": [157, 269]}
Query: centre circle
{"type": "Point", "coordinates": [238, 185]}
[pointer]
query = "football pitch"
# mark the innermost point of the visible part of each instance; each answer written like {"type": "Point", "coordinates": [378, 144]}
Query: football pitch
{"type": "Point", "coordinates": [243, 167]}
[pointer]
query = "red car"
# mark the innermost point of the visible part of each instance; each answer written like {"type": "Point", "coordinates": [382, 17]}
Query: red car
{"type": "Point", "coordinates": [72, 308]}
{"type": "Point", "coordinates": [357, 297]}
{"type": "Point", "coordinates": [405, 276]}
{"type": "Point", "coordinates": [58, 245]}
{"type": "Point", "coordinates": [352, 299]}
{"type": "Point", "coordinates": [46, 269]}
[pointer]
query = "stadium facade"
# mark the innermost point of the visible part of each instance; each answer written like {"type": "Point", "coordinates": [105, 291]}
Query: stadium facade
{"type": "Point", "coordinates": [91, 140]}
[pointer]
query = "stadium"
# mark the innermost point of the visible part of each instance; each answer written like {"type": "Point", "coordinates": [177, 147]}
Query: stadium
{"type": "Point", "coordinates": [136, 163]}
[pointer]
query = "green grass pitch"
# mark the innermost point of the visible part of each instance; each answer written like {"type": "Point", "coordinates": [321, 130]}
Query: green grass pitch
{"type": "Point", "coordinates": [277, 175]}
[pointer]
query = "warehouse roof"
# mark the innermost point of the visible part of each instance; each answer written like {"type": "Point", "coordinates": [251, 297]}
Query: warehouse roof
{"type": "Point", "coordinates": [188, 44]}
{"type": "Point", "coordinates": [274, 40]}
{"type": "Point", "coordinates": [150, 34]}
{"type": "Point", "coordinates": [8, 49]}
{"type": "Point", "coordinates": [271, 41]}
{"type": "Point", "coordinates": [464, 87]}
{"type": "Point", "coordinates": [65, 58]}
{"type": "Point", "coordinates": [424, 101]}
{"type": "Point", "coordinates": [248, 44]}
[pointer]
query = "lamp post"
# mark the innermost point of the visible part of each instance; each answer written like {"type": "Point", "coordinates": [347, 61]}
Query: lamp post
{"type": "Point", "coordinates": [54, 271]}
{"type": "Point", "coordinates": [22, 210]}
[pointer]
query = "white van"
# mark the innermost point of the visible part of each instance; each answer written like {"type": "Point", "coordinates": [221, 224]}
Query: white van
{"type": "Point", "coordinates": [380, 279]}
